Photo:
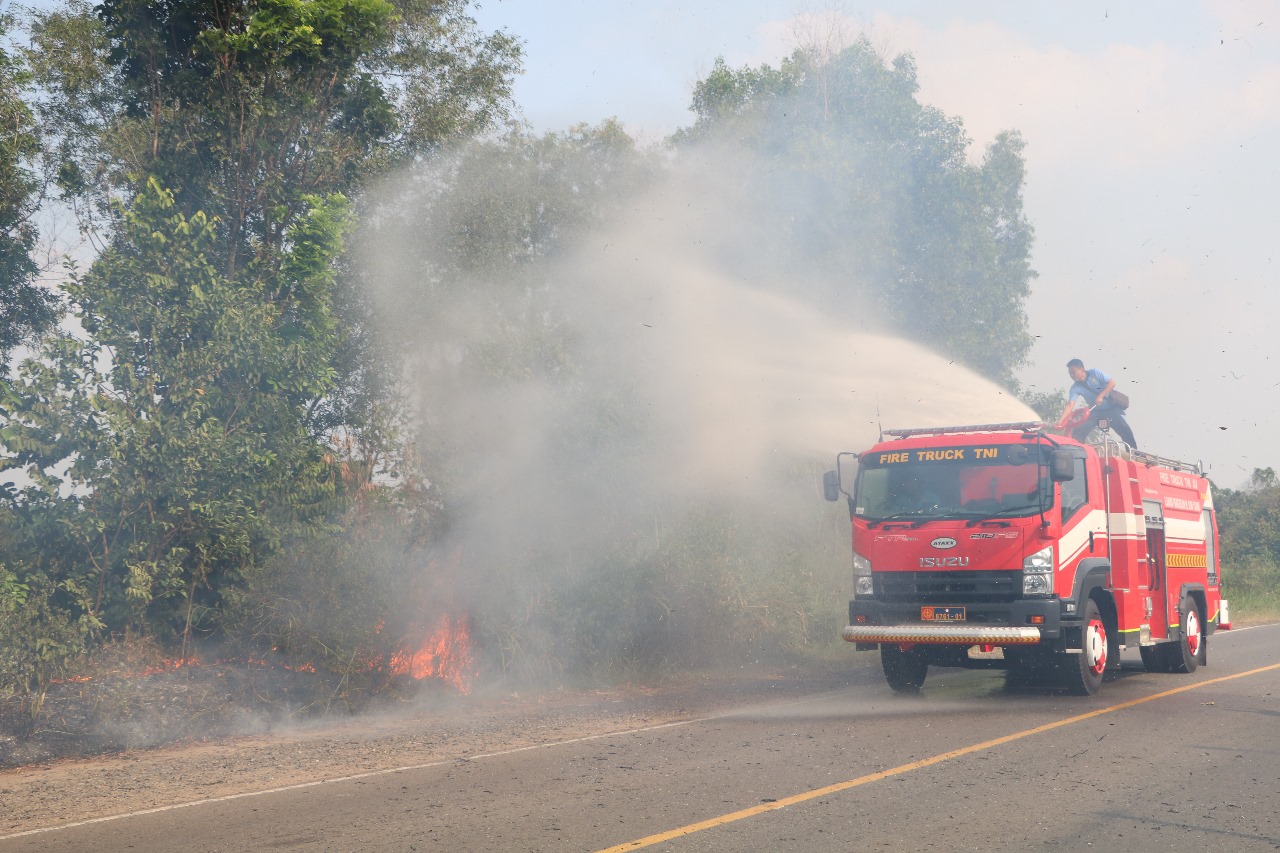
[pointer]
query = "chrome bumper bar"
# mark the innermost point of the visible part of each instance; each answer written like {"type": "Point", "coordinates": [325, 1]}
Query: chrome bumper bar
{"type": "Point", "coordinates": [951, 634]}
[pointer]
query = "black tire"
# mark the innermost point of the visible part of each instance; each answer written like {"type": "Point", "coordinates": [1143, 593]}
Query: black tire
{"type": "Point", "coordinates": [1084, 669]}
{"type": "Point", "coordinates": [905, 671]}
{"type": "Point", "coordinates": [1184, 655]}
{"type": "Point", "coordinates": [1113, 651]}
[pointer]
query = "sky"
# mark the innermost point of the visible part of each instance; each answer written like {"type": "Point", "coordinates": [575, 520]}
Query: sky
{"type": "Point", "coordinates": [1153, 140]}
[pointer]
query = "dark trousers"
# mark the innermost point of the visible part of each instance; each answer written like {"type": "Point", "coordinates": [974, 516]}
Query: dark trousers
{"type": "Point", "coordinates": [1111, 412]}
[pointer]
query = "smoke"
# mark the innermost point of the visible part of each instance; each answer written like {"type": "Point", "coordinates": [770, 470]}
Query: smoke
{"type": "Point", "coordinates": [670, 359]}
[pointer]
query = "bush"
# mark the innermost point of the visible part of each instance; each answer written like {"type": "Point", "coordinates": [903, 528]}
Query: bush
{"type": "Point", "coordinates": [344, 600]}
{"type": "Point", "coordinates": [713, 586]}
{"type": "Point", "coordinates": [1252, 586]}
{"type": "Point", "coordinates": [38, 641]}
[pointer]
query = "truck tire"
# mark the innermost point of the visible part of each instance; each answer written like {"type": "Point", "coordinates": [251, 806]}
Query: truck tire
{"type": "Point", "coordinates": [1084, 669]}
{"type": "Point", "coordinates": [1184, 655]}
{"type": "Point", "coordinates": [905, 671]}
{"type": "Point", "coordinates": [1113, 651]}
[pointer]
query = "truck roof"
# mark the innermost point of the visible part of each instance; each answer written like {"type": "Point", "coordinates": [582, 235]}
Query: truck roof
{"type": "Point", "coordinates": [1106, 445]}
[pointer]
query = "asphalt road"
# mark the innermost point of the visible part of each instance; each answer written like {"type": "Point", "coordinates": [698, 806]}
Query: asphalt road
{"type": "Point", "coordinates": [1153, 762]}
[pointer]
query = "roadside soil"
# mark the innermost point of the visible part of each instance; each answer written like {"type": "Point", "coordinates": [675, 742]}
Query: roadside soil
{"type": "Point", "coordinates": [437, 724]}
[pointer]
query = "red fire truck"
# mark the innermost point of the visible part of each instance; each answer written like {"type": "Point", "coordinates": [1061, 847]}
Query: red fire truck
{"type": "Point", "coordinates": [1002, 545]}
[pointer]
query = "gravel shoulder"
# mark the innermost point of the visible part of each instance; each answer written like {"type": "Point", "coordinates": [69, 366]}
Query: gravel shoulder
{"type": "Point", "coordinates": [433, 727]}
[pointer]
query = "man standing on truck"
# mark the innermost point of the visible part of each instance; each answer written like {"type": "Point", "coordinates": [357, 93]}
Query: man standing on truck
{"type": "Point", "coordinates": [1093, 388]}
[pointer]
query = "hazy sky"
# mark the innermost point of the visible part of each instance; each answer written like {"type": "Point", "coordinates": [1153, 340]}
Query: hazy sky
{"type": "Point", "coordinates": [1153, 133]}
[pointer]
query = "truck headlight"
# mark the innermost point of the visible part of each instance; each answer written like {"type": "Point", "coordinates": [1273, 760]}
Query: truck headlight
{"type": "Point", "coordinates": [1037, 572]}
{"type": "Point", "coordinates": [862, 584]}
{"type": "Point", "coordinates": [1035, 585]}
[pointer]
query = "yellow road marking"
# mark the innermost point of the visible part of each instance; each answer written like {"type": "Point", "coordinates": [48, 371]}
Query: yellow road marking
{"type": "Point", "coordinates": [907, 768]}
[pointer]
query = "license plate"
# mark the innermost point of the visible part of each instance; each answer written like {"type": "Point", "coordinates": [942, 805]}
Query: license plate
{"type": "Point", "coordinates": [942, 614]}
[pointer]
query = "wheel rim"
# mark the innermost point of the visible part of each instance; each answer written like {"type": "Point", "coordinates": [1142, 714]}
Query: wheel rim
{"type": "Point", "coordinates": [1096, 646]}
{"type": "Point", "coordinates": [1193, 632]}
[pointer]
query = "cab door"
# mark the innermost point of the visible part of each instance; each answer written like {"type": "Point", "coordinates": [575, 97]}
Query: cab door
{"type": "Point", "coordinates": [1157, 569]}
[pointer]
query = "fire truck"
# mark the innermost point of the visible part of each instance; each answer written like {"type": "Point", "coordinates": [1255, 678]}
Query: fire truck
{"type": "Point", "coordinates": [1003, 545]}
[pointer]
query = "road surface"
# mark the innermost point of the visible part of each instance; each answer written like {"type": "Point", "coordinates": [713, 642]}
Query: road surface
{"type": "Point", "coordinates": [1153, 762]}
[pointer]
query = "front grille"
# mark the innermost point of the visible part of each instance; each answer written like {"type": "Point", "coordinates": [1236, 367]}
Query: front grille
{"type": "Point", "coordinates": [958, 587]}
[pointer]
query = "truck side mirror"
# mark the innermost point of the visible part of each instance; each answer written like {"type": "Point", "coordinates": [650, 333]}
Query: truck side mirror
{"type": "Point", "coordinates": [831, 486]}
{"type": "Point", "coordinates": [1062, 466]}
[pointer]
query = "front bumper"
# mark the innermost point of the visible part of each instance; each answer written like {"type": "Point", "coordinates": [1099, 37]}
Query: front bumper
{"type": "Point", "coordinates": [951, 634]}
{"type": "Point", "coordinates": [1023, 621]}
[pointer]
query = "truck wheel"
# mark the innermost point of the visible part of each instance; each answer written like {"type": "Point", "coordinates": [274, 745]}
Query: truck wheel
{"type": "Point", "coordinates": [1084, 669]}
{"type": "Point", "coordinates": [905, 671]}
{"type": "Point", "coordinates": [1185, 654]}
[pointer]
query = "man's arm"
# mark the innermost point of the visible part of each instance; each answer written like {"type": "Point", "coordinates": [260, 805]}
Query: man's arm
{"type": "Point", "coordinates": [1066, 413]}
{"type": "Point", "coordinates": [1102, 395]}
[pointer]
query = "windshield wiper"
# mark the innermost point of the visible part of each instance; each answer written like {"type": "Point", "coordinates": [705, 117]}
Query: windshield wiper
{"type": "Point", "coordinates": [988, 516]}
{"type": "Point", "coordinates": [917, 517]}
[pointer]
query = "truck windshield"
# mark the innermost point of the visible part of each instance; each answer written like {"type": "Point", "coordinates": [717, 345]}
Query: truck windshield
{"type": "Point", "coordinates": [974, 482]}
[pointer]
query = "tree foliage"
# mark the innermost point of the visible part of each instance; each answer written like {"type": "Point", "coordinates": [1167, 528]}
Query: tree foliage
{"type": "Point", "coordinates": [876, 190]}
{"type": "Point", "coordinates": [171, 442]}
{"type": "Point", "coordinates": [1249, 524]}
{"type": "Point", "coordinates": [191, 421]}
{"type": "Point", "coordinates": [1249, 518]}
{"type": "Point", "coordinates": [245, 108]}
{"type": "Point", "coordinates": [26, 309]}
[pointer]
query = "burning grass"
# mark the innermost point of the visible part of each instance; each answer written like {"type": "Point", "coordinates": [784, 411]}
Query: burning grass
{"type": "Point", "coordinates": [129, 695]}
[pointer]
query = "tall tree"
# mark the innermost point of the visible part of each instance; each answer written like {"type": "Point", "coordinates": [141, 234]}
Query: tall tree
{"type": "Point", "coordinates": [186, 457]}
{"type": "Point", "coordinates": [872, 189]}
{"type": "Point", "coordinates": [189, 425]}
{"type": "Point", "coordinates": [244, 109]}
{"type": "Point", "coordinates": [26, 309]}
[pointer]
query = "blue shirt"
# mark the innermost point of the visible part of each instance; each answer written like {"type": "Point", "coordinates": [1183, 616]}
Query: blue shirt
{"type": "Point", "coordinates": [1088, 390]}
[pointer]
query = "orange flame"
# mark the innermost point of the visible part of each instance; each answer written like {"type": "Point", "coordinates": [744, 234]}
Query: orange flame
{"type": "Point", "coordinates": [445, 653]}
{"type": "Point", "coordinates": [166, 665]}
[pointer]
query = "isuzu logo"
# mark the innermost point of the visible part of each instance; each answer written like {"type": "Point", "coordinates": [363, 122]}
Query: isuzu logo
{"type": "Point", "coordinates": [943, 562]}
{"type": "Point", "coordinates": [942, 543]}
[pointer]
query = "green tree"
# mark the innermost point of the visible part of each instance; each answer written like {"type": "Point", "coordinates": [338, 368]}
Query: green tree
{"type": "Point", "coordinates": [26, 309]}
{"type": "Point", "coordinates": [195, 423]}
{"type": "Point", "coordinates": [1249, 518]}
{"type": "Point", "coordinates": [1249, 524]}
{"type": "Point", "coordinates": [175, 427]}
{"type": "Point", "coordinates": [871, 189]}
{"type": "Point", "coordinates": [247, 109]}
